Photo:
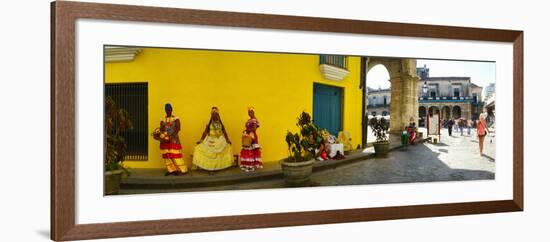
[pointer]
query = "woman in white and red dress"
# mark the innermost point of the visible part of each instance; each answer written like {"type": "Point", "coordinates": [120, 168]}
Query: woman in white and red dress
{"type": "Point", "coordinates": [251, 156]}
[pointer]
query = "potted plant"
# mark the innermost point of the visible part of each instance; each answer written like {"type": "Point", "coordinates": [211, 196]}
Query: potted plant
{"type": "Point", "coordinates": [117, 121]}
{"type": "Point", "coordinates": [380, 127]}
{"type": "Point", "coordinates": [301, 151]}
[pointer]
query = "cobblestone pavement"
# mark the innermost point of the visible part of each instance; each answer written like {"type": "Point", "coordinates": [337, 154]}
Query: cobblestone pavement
{"type": "Point", "coordinates": [454, 158]}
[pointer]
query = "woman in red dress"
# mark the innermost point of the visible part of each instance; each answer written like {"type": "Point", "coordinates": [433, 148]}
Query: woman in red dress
{"type": "Point", "coordinates": [170, 146]}
{"type": "Point", "coordinates": [251, 156]}
{"type": "Point", "coordinates": [411, 129]}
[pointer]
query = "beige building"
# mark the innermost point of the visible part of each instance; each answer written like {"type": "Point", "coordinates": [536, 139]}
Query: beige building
{"type": "Point", "coordinates": [451, 97]}
{"type": "Point", "coordinates": [489, 105]}
{"type": "Point", "coordinates": [379, 102]}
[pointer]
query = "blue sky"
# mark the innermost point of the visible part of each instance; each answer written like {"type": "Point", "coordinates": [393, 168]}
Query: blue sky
{"type": "Point", "coordinates": [481, 73]}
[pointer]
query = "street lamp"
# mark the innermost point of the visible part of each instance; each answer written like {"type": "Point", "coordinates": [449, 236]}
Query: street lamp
{"type": "Point", "coordinates": [425, 88]}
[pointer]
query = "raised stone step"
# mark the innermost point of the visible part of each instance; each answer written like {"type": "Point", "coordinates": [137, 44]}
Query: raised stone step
{"type": "Point", "coordinates": [155, 179]}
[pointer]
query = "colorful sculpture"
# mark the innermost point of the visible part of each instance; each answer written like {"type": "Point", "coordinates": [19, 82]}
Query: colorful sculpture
{"type": "Point", "coordinates": [344, 137]}
{"type": "Point", "coordinates": [251, 156]}
{"type": "Point", "coordinates": [213, 152]}
{"type": "Point", "coordinates": [170, 146]}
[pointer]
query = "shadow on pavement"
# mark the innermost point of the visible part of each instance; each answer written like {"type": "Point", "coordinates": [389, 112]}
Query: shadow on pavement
{"type": "Point", "coordinates": [420, 164]}
{"type": "Point", "coordinates": [488, 157]}
{"type": "Point", "coordinates": [416, 163]}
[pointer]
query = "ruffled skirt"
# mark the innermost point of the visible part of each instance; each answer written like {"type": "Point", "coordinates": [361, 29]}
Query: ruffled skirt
{"type": "Point", "coordinates": [214, 153]}
{"type": "Point", "coordinates": [251, 157]}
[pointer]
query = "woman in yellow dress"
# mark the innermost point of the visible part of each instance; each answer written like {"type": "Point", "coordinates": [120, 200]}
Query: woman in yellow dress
{"type": "Point", "coordinates": [213, 152]}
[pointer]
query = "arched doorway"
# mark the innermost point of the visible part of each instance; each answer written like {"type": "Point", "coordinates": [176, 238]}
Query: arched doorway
{"type": "Point", "coordinates": [422, 116]}
{"type": "Point", "coordinates": [421, 111]}
{"type": "Point", "coordinates": [378, 77]}
{"type": "Point", "coordinates": [457, 112]}
{"type": "Point", "coordinates": [379, 92]}
{"type": "Point", "coordinates": [399, 75]}
{"type": "Point", "coordinates": [378, 97]}
{"type": "Point", "coordinates": [446, 112]}
{"type": "Point", "coordinates": [433, 110]}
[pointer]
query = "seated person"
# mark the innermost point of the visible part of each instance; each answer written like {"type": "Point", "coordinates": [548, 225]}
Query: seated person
{"type": "Point", "coordinates": [411, 130]}
{"type": "Point", "coordinates": [213, 152]}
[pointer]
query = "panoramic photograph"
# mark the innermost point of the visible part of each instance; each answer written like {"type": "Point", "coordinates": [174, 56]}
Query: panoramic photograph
{"type": "Point", "coordinates": [195, 120]}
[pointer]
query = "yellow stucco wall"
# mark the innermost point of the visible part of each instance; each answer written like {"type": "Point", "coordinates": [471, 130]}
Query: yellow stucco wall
{"type": "Point", "coordinates": [279, 86]}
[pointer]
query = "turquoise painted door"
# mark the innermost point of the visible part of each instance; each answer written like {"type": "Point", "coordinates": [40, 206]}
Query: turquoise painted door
{"type": "Point", "coordinates": [327, 108]}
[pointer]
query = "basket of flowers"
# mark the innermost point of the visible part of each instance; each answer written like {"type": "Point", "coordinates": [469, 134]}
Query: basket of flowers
{"type": "Point", "coordinates": [246, 139]}
{"type": "Point", "coordinates": [160, 136]}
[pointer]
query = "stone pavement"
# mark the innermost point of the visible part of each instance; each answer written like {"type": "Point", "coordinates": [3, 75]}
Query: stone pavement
{"type": "Point", "coordinates": [454, 158]}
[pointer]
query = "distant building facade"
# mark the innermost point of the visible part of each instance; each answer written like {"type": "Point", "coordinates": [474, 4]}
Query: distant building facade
{"type": "Point", "coordinates": [450, 97]}
{"type": "Point", "coordinates": [489, 106]}
{"type": "Point", "coordinates": [379, 102]}
{"type": "Point", "coordinates": [490, 89]}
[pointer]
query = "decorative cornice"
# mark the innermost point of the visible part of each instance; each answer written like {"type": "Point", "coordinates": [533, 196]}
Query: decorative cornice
{"type": "Point", "coordinates": [333, 73]}
{"type": "Point", "coordinates": [121, 54]}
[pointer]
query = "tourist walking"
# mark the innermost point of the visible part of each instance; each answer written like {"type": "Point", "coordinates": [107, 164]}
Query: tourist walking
{"type": "Point", "coordinates": [481, 131]}
{"type": "Point", "coordinates": [461, 127]}
{"type": "Point", "coordinates": [450, 124]}
{"type": "Point", "coordinates": [455, 125]}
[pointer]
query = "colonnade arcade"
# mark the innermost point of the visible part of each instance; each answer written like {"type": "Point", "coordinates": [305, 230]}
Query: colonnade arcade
{"type": "Point", "coordinates": [446, 110]}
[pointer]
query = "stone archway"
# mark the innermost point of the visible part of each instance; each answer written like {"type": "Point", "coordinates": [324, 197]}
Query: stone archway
{"type": "Point", "coordinates": [404, 90]}
{"type": "Point", "coordinates": [457, 112]}
{"type": "Point", "coordinates": [422, 111]}
{"type": "Point", "coordinates": [446, 112]}
{"type": "Point", "coordinates": [433, 110]}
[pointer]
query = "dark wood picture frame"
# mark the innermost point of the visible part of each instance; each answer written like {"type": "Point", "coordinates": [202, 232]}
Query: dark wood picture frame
{"type": "Point", "coordinates": [63, 19]}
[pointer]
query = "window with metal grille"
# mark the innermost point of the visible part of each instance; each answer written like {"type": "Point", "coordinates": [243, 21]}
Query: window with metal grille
{"type": "Point", "coordinates": [334, 60]}
{"type": "Point", "coordinates": [133, 97]}
{"type": "Point", "coordinates": [456, 90]}
{"type": "Point", "coordinates": [434, 89]}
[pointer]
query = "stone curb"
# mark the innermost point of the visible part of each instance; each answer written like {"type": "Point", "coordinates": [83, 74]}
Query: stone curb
{"type": "Point", "coordinates": [220, 180]}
